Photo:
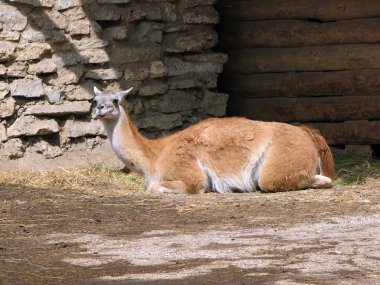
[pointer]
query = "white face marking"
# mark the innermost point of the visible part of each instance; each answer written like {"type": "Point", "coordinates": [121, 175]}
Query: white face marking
{"type": "Point", "coordinates": [107, 107]}
{"type": "Point", "coordinates": [108, 103]}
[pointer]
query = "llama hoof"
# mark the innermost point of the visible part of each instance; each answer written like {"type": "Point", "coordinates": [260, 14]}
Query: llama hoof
{"type": "Point", "coordinates": [321, 182]}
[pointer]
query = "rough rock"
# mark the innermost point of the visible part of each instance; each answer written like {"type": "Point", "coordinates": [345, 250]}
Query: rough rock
{"type": "Point", "coordinates": [129, 54]}
{"type": "Point", "coordinates": [160, 122]}
{"type": "Point", "coordinates": [79, 27]}
{"type": "Point", "coordinates": [104, 74]}
{"type": "Point", "coordinates": [118, 33]}
{"type": "Point", "coordinates": [3, 69]}
{"type": "Point", "coordinates": [17, 69]}
{"type": "Point", "coordinates": [7, 107]}
{"type": "Point", "coordinates": [9, 35]}
{"type": "Point", "coordinates": [210, 80]}
{"type": "Point", "coordinates": [36, 3]}
{"type": "Point", "coordinates": [47, 20]}
{"type": "Point", "coordinates": [6, 50]}
{"type": "Point", "coordinates": [136, 72]}
{"type": "Point", "coordinates": [66, 58]}
{"type": "Point", "coordinates": [31, 35]}
{"type": "Point", "coordinates": [54, 96]}
{"type": "Point", "coordinates": [195, 40]}
{"type": "Point", "coordinates": [106, 12]}
{"type": "Point", "coordinates": [79, 93]}
{"type": "Point", "coordinates": [165, 12]}
{"type": "Point", "coordinates": [79, 128]}
{"type": "Point", "coordinates": [31, 51]}
{"type": "Point", "coordinates": [11, 18]}
{"type": "Point", "coordinates": [194, 3]}
{"type": "Point", "coordinates": [158, 69]}
{"type": "Point", "coordinates": [185, 81]}
{"type": "Point", "coordinates": [138, 107]}
{"type": "Point", "coordinates": [68, 75]}
{"type": "Point", "coordinates": [201, 15]}
{"type": "Point", "coordinates": [193, 80]}
{"type": "Point", "coordinates": [13, 148]}
{"type": "Point", "coordinates": [4, 90]}
{"type": "Point", "coordinates": [94, 56]}
{"type": "Point", "coordinates": [133, 13]}
{"type": "Point", "coordinates": [46, 149]}
{"type": "Point", "coordinates": [47, 65]}
{"type": "Point", "coordinates": [4, 86]}
{"type": "Point", "coordinates": [32, 126]}
{"type": "Point", "coordinates": [176, 66]}
{"type": "Point", "coordinates": [214, 104]}
{"type": "Point", "coordinates": [89, 43]}
{"type": "Point", "coordinates": [66, 108]}
{"type": "Point", "coordinates": [175, 27]}
{"type": "Point", "coordinates": [114, 1]}
{"type": "Point", "coordinates": [53, 17]}
{"type": "Point", "coordinates": [65, 4]}
{"type": "Point", "coordinates": [3, 133]}
{"type": "Point", "coordinates": [30, 88]}
{"type": "Point", "coordinates": [177, 101]}
{"type": "Point", "coordinates": [74, 13]}
{"type": "Point", "coordinates": [3, 93]}
{"type": "Point", "coordinates": [153, 88]}
{"type": "Point", "coordinates": [147, 32]}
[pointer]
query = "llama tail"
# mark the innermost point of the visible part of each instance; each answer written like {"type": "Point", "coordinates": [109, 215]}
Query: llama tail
{"type": "Point", "coordinates": [324, 152]}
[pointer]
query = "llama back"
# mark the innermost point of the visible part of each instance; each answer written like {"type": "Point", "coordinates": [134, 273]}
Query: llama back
{"type": "Point", "coordinates": [324, 152]}
{"type": "Point", "coordinates": [225, 151]}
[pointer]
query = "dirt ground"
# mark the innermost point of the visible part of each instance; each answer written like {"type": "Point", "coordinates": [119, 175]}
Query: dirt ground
{"type": "Point", "coordinates": [306, 237]}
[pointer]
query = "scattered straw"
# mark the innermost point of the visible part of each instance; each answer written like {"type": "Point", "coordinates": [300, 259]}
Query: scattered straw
{"type": "Point", "coordinates": [355, 170]}
{"type": "Point", "coordinates": [87, 178]}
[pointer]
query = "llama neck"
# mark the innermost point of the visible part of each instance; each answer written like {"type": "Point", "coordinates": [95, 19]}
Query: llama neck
{"type": "Point", "coordinates": [136, 152]}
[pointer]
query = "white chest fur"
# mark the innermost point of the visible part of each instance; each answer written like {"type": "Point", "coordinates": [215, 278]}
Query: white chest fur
{"type": "Point", "coordinates": [122, 151]}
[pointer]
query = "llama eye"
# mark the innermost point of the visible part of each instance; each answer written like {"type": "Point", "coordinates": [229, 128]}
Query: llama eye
{"type": "Point", "coordinates": [115, 101]}
{"type": "Point", "coordinates": [95, 101]}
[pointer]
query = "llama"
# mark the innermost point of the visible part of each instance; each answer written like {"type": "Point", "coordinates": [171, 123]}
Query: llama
{"type": "Point", "coordinates": [219, 154]}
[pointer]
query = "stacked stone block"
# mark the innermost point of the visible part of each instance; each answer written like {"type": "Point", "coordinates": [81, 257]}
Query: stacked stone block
{"type": "Point", "coordinates": [52, 53]}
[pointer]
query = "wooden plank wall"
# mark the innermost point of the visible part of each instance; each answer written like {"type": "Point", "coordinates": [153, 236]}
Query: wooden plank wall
{"type": "Point", "coordinates": [315, 62]}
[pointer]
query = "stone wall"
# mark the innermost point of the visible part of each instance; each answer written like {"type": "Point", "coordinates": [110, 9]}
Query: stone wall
{"type": "Point", "coordinates": [52, 53]}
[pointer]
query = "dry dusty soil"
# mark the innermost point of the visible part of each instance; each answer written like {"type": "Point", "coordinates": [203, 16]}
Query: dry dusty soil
{"type": "Point", "coordinates": [305, 237]}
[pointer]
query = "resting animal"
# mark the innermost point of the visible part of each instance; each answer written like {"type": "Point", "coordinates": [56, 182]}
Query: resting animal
{"type": "Point", "coordinates": [219, 155]}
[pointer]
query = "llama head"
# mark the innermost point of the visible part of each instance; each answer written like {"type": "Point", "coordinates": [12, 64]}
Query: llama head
{"type": "Point", "coordinates": [108, 103]}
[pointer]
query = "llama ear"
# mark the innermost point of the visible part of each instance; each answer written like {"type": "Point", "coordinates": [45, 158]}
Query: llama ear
{"type": "Point", "coordinates": [123, 94]}
{"type": "Point", "coordinates": [97, 91]}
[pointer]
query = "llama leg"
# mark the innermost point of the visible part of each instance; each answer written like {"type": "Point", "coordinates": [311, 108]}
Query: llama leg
{"type": "Point", "coordinates": [176, 187]}
{"type": "Point", "coordinates": [277, 176]}
{"type": "Point", "coordinates": [288, 164]}
{"type": "Point", "coordinates": [321, 182]}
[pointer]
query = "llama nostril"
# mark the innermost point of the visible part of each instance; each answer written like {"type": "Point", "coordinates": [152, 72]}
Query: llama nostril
{"type": "Point", "coordinates": [100, 107]}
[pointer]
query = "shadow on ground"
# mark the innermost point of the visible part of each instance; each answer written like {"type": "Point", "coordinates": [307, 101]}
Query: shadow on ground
{"type": "Point", "coordinates": [305, 237]}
